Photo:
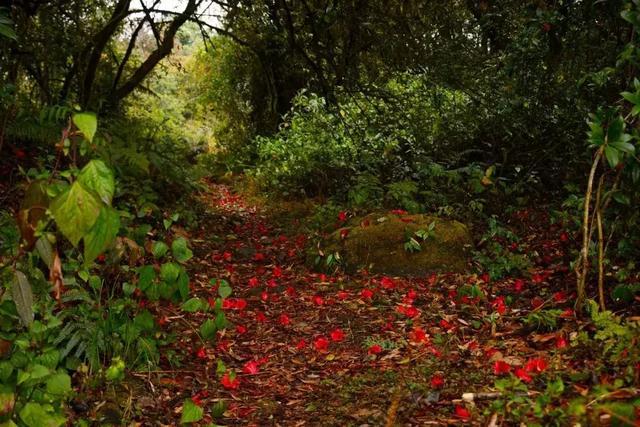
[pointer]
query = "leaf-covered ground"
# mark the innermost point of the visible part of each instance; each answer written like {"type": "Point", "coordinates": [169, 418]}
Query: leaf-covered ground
{"type": "Point", "coordinates": [314, 349]}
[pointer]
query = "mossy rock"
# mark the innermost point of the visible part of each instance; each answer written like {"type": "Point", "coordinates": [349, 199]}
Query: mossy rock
{"type": "Point", "coordinates": [376, 242]}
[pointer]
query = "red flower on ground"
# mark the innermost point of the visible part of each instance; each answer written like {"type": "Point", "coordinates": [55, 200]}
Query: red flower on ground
{"type": "Point", "coordinates": [387, 283]}
{"type": "Point", "coordinates": [302, 344]}
{"type": "Point", "coordinates": [252, 367]}
{"type": "Point", "coordinates": [537, 302]}
{"type": "Point", "coordinates": [523, 375]}
{"type": "Point", "coordinates": [291, 291]}
{"type": "Point", "coordinates": [537, 278]}
{"type": "Point", "coordinates": [518, 285]}
{"type": "Point", "coordinates": [230, 381]}
{"type": "Point", "coordinates": [561, 342]}
{"type": "Point", "coordinates": [437, 381]}
{"type": "Point", "coordinates": [284, 320]}
{"type": "Point", "coordinates": [499, 305]}
{"type": "Point", "coordinates": [260, 317]}
{"type": "Point", "coordinates": [344, 233]}
{"type": "Point", "coordinates": [253, 282]}
{"type": "Point", "coordinates": [276, 272]}
{"type": "Point", "coordinates": [227, 256]}
{"type": "Point", "coordinates": [411, 312]}
{"type": "Point", "coordinates": [366, 293]}
{"type": "Point", "coordinates": [201, 353]}
{"type": "Point", "coordinates": [559, 296]}
{"type": "Point", "coordinates": [241, 329]}
{"type": "Point", "coordinates": [342, 216]}
{"type": "Point", "coordinates": [264, 296]}
{"type": "Point", "coordinates": [567, 313]}
{"type": "Point", "coordinates": [337, 335]}
{"type": "Point", "coordinates": [375, 349]}
{"type": "Point", "coordinates": [564, 236]}
{"type": "Point", "coordinates": [418, 335]}
{"type": "Point", "coordinates": [462, 412]}
{"type": "Point", "coordinates": [318, 300]}
{"type": "Point", "coordinates": [258, 256]}
{"type": "Point", "coordinates": [321, 344]}
{"type": "Point", "coordinates": [485, 277]}
{"type": "Point", "coordinates": [342, 295]}
{"type": "Point", "coordinates": [536, 365]}
{"type": "Point", "coordinates": [445, 325]}
{"type": "Point", "coordinates": [501, 367]}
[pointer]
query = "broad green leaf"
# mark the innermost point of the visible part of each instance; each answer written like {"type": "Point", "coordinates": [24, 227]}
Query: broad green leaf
{"type": "Point", "coordinates": [37, 415]}
{"type": "Point", "coordinates": [192, 305]}
{"type": "Point", "coordinates": [191, 412]}
{"type": "Point", "coordinates": [613, 155]}
{"type": "Point", "coordinates": [183, 285]}
{"type": "Point", "coordinates": [624, 146]}
{"type": "Point", "coordinates": [87, 123]}
{"type": "Point", "coordinates": [102, 234]}
{"type": "Point", "coordinates": [616, 128]}
{"type": "Point", "coordinates": [144, 321]}
{"type": "Point", "coordinates": [159, 249]}
{"type": "Point", "coordinates": [22, 297]}
{"type": "Point", "coordinates": [59, 384]}
{"type": "Point", "coordinates": [97, 176]}
{"type": "Point", "coordinates": [170, 272]}
{"type": "Point", "coordinates": [221, 320]}
{"type": "Point", "coordinates": [45, 250]}
{"type": "Point", "coordinates": [224, 290]}
{"type": "Point", "coordinates": [75, 212]}
{"type": "Point", "coordinates": [180, 250]}
{"type": "Point", "coordinates": [208, 329]}
{"type": "Point", "coordinates": [146, 276]}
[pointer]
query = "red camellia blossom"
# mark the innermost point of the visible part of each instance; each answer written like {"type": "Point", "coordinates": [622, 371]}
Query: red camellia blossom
{"type": "Point", "coordinates": [499, 305]}
{"type": "Point", "coordinates": [337, 335]}
{"type": "Point", "coordinates": [342, 295]}
{"type": "Point", "coordinates": [523, 375]}
{"type": "Point", "coordinates": [230, 381]}
{"type": "Point", "coordinates": [387, 283]}
{"type": "Point", "coordinates": [537, 278]}
{"type": "Point", "coordinates": [518, 285]}
{"type": "Point", "coordinates": [564, 236]}
{"type": "Point", "coordinates": [462, 412]}
{"type": "Point", "coordinates": [418, 335]}
{"type": "Point", "coordinates": [253, 282]}
{"type": "Point", "coordinates": [559, 296]}
{"type": "Point", "coordinates": [411, 311]}
{"type": "Point", "coordinates": [321, 344]}
{"type": "Point", "coordinates": [241, 329]}
{"type": "Point", "coordinates": [342, 216]}
{"type": "Point", "coordinates": [302, 344]}
{"type": "Point", "coordinates": [227, 256]}
{"type": "Point", "coordinates": [366, 293]}
{"type": "Point", "coordinates": [258, 257]}
{"type": "Point", "coordinates": [264, 296]}
{"type": "Point", "coordinates": [201, 353]}
{"type": "Point", "coordinates": [276, 272]}
{"type": "Point", "coordinates": [260, 317]}
{"type": "Point", "coordinates": [290, 291]}
{"type": "Point", "coordinates": [485, 277]}
{"type": "Point", "coordinates": [437, 381]}
{"type": "Point", "coordinates": [536, 365]}
{"type": "Point", "coordinates": [375, 349]}
{"type": "Point", "coordinates": [252, 367]}
{"type": "Point", "coordinates": [284, 320]}
{"type": "Point", "coordinates": [501, 367]}
{"type": "Point", "coordinates": [318, 300]}
{"type": "Point", "coordinates": [567, 313]}
{"type": "Point", "coordinates": [445, 325]}
{"type": "Point", "coordinates": [399, 212]}
{"type": "Point", "coordinates": [344, 233]}
{"type": "Point", "coordinates": [561, 342]}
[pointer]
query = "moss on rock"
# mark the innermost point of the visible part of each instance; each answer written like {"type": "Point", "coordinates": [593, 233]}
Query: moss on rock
{"type": "Point", "coordinates": [377, 242]}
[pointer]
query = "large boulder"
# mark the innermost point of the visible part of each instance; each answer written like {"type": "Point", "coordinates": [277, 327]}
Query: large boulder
{"type": "Point", "coordinates": [379, 243]}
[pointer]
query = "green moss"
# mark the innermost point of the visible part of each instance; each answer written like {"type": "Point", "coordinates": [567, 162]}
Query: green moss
{"type": "Point", "coordinates": [379, 246]}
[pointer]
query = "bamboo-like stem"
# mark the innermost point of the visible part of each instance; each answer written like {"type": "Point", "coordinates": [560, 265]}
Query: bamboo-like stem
{"type": "Point", "coordinates": [598, 211]}
{"type": "Point", "coordinates": [582, 265]}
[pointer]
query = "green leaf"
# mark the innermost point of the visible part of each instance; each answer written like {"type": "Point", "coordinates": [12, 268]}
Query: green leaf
{"type": "Point", "coordinates": [97, 176]}
{"type": "Point", "coordinates": [191, 412]}
{"type": "Point", "coordinates": [624, 146]}
{"type": "Point", "coordinates": [224, 290]}
{"type": "Point", "coordinates": [183, 285]}
{"type": "Point", "coordinates": [37, 415]}
{"type": "Point", "coordinates": [221, 320]}
{"type": "Point", "coordinates": [192, 305]}
{"type": "Point", "coordinates": [146, 276]}
{"type": "Point", "coordinates": [45, 250]}
{"type": "Point", "coordinates": [75, 212]}
{"type": "Point", "coordinates": [144, 321]}
{"type": "Point", "coordinates": [170, 272]}
{"type": "Point", "coordinates": [102, 234]}
{"type": "Point", "coordinates": [22, 297]}
{"type": "Point", "coordinates": [613, 155]}
{"type": "Point", "coordinates": [159, 249]}
{"type": "Point", "coordinates": [59, 384]}
{"type": "Point", "coordinates": [87, 123]}
{"type": "Point", "coordinates": [180, 250]}
{"type": "Point", "coordinates": [208, 329]}
{"type": "Point", "coordinates": [616, 128]}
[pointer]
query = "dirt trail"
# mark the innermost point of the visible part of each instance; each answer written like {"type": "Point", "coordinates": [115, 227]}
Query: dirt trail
{"type": "Point", "coordinates": [310, 349]}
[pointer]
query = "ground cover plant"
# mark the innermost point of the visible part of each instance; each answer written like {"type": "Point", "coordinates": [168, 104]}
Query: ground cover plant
{"type": "Point", "coordinates": [319, 213]}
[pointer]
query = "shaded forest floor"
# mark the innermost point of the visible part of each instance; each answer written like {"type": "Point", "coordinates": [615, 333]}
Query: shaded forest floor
{"type": "Point", "coordinates": [314, 349]}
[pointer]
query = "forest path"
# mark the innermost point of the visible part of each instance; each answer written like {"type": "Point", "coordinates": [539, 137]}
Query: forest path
{"type": "Point", "coordinates": [312, 349]}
